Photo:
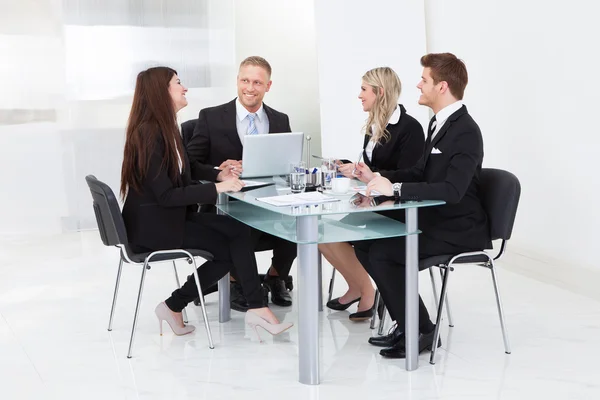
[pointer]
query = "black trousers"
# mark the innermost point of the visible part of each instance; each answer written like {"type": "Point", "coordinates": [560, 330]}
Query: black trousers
{"type": "Point", "coordinates": [231, 244]}
{"type": "Point", "coordinates": [384, 260]}
{"type": "Point", "coordinates": [284, 252]}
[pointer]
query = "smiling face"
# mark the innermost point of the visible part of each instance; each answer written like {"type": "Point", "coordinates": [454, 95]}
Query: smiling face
{"type": "Point", "coordinates": [252, 84]}
{"type": "Point", "coordinates": [177, 92]}
{"type": "Point", "coordinates": [367, 96]}
{"type": "Point", "coordinates": [430, 91]}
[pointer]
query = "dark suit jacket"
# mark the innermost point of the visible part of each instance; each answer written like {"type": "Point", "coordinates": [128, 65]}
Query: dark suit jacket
{"type": "Point", "coordinates": [155, 219]}
{"type": "Point", "coordinates": [451, 175]}
{"type": "Point", "coordinates": [402, 150]}
{"type": "Point", "coordinates": [216, 138]}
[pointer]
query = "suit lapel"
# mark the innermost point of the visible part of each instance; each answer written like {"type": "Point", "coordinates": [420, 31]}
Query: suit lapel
{"type": "Point", "coordinates": [273, 125]}
{"type": "Point", "coordinates": [229, 126]}
{"type": "Point", "coordinates": [442, 132]}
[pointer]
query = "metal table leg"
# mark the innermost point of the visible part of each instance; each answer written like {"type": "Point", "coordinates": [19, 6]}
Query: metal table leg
{"type": "Point", "coordinates": [224, 299]}
{"type": "Point", "coordinates": [412, 291]}
{"type": "Point", "coordinates": [308, 296]}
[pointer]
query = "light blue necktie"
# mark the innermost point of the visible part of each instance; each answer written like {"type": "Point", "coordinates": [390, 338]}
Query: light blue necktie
{"type": "Point", "coordinates": [252, 129]}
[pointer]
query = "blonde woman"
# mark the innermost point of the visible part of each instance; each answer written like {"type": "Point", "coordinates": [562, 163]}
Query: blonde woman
{"type": "Point", "coordinates": [393, 140]}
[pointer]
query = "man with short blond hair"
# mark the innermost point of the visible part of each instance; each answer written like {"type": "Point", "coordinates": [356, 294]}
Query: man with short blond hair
{"type": "Point", "coordinates": [217, 143]}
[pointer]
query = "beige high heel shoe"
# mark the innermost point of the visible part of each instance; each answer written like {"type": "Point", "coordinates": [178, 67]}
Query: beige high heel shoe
{"type": "Point", "coordinates": [253, 320]}
{"type": "Point", "coordinates": [164, 313]}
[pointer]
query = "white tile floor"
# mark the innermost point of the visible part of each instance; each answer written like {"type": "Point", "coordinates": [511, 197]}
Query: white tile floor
{"type": "Point", "coordinates": [55, 295]}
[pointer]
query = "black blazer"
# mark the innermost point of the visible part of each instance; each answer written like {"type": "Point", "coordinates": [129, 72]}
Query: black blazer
{"type": "Point", "coordinates": [450, 173]}
{"type": "Point", "coordinates": [402, 150]}
{"type": "Point", "coordinates": [155, 219]}
{"type": "Point", "coordinates": [216, 138]}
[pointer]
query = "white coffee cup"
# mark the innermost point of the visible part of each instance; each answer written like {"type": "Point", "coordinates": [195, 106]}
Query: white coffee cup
{"type": "Point", "coordinates": [340, 185]}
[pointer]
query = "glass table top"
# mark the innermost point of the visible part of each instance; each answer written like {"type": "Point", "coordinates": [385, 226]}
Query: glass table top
{"type": "Point", "coordinates": [344, 204]}
{"type": "Point", "coordinates": [332, 228]}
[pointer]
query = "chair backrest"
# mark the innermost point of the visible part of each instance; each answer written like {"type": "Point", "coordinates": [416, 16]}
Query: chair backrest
{"type": "Point", "coordinates": [500, 192]}
{"type": "Point", "coordinates": [108, 214]}
{"type": "Point", "coordinates": [187, 130]}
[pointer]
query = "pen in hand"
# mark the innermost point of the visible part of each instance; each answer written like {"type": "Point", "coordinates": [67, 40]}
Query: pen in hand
{"type": "Point", "coordinates": [359, 158]}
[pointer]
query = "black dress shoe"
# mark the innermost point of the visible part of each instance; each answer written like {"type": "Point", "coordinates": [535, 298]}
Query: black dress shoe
{"type": "Point", "coordinates": [399, 349]}
{"type": "Point", "coordinates": [279, 293]}
{"type": "Point", "coordinates": [237, 298]}
{"type": "Point", "coordinates": [396, 335]}
{"type": "Point", "coordinates": [289, 281]}
{"type": "Point", "coordinates": [362, 315]}
{"type": "Point", "coordinates": [335, 304]}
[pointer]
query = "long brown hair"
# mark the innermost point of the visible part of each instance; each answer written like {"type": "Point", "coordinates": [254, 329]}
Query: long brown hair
{"type": "Point", "coordinates": [152, 118]}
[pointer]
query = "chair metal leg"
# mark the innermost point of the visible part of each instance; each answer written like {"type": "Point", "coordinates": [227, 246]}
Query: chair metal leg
{"type": "Point", "coordinates": [447, 301]}
{"type": "Point", "coordinates": [434, 288]}
{"type": "Point", "coordinates": [500, 308]}
{"type": "Point", "coordinates": [183, 313]}
{"type": "Point", "coordinates": [436, 335]}
{"type": "Point", "coordinates": [382, 321]}
{"type": "Point", "coordinates": [203, 307]}
{"type": "Point", "coordinates": [114, 302]}
{"type": "Point", "coordinates": [137, 308]}
{"type": "Point", "coordinates": [376, 307]}
{"type": "Point", "coordinates": [320, 267]}
{"type": "Point", "coordinates": [331, 283]}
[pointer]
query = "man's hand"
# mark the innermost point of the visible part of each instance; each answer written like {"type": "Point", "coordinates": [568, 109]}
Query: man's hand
{"type": "Point", "coordinates": [232, 185]}
{"type": "Point", "coordinates": [364, 173]}
{"type": "Point", "coordinates": [229, 173]}
{"type": "Point", "coordinates": [381, 185]}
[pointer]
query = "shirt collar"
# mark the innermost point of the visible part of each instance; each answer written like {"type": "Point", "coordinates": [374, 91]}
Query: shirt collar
{"type": "Point", "coordinates": [243, 113]}
{"type": "Point", "coordinates": [395, 116]}
{"type": "Point", "coordinates": [447, 111]}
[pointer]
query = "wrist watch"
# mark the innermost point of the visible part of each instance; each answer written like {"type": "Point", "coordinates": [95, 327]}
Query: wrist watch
{"type": "Point", "coordinates": [396, 187]}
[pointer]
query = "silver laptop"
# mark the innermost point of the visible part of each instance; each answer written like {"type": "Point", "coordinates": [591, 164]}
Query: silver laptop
{"type": "Point", "coordinates": [271, 154]}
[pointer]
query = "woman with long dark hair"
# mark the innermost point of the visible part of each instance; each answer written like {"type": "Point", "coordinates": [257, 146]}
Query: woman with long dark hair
{"type": "Point", "coordinates": [161, 199]}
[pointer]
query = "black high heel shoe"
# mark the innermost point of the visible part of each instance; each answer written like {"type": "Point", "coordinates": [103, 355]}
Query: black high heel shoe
{"type": "Point", "coordinates": [335, 304]}
{"type": "Point", "coordinates": [362, 315]}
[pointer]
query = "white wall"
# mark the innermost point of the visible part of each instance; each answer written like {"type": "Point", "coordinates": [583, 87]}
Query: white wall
{"type": "Point", "coordinates": [352, 38]}
{"type": "Point", "coordinates": [283, 32]}
{"type": "Point", "coordinates": [67, 77]}
{"type": "Point", "coordinates": [533, 77]}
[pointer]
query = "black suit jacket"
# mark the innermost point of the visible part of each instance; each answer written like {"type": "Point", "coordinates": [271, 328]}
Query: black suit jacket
{"type": "Point", "coordinates": [450, 173]}
{"type": "Point", "coordinates": [155, 218]}
{"type": "Point", "coordinates": [402, 150]}
{"type": "Point", "coordinates": [216, 138]}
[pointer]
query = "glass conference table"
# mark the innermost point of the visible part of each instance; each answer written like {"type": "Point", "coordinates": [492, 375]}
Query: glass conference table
{"type": "Point", "coordinates": [349, 219]}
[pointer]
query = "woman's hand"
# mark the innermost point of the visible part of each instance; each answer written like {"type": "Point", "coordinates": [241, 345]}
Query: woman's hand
{"type": "Point", "coordinates": [364, 173]}
{"type": "Point", "coordinates": [347, 170]}
{"type": "Point", "coordinates": [231, 185]}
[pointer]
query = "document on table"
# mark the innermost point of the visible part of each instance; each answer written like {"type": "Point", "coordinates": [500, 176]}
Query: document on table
{"type": "Point", "coordinates": [298, 199]}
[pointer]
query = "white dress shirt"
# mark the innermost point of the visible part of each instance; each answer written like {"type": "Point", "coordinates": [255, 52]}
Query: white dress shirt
{"type": "Point", "coordinates": [242, 122]}
{"type": "Point", "coordinates": [442, 116]}
{"type": "Point", "coordinates": [394, 119]}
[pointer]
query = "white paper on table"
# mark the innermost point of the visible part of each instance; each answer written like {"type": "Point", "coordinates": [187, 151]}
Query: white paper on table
{"type": "Point", "coordinates": [298, 199]}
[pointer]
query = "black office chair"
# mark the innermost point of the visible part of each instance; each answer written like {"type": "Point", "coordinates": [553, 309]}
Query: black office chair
{"type": "Point", "coordinates": [187, 131]}
{"type": "Point", "coordinates": [500, 192]}
{"type": "Point", "coordinates": [113, 233]}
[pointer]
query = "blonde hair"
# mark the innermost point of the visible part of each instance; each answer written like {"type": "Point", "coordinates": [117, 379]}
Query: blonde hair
{"type": "Point", "coordinates": [257, 62]}
{"type": "Point", "coordinates": [385, 103]}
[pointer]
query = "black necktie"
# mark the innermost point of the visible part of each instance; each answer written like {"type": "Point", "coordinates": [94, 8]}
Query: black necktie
{"type": "Point", "coordinates": [430, 130]}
